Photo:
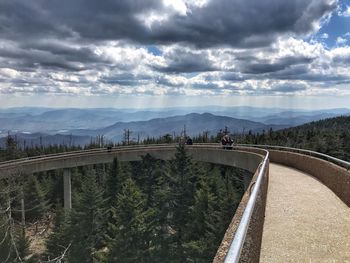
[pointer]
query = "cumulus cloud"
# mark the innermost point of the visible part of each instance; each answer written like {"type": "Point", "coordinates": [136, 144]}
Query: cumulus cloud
{"type": "Point", "coordinates": [219, 22]}
{"type": "Point", "coordinates": [203, 47]}
{"type": "Point", "coordinates": [341, 41]}
{"type": "Point", "coordinates": [345, 12]}
{"type": "Point", "coordinates": [324, 36]}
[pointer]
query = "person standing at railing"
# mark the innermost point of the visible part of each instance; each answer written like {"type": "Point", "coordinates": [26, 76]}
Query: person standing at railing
{"type": "Point", "coordinates": [227, 142]}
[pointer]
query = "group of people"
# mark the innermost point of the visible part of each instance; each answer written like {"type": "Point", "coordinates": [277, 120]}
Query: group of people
{"type": "Point", "coordinates": [227, 142]}
{"type": "Point", "coordinates": [186, 141]}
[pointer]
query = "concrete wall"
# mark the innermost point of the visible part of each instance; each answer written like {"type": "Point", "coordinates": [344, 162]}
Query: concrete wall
{"type": "Point", "coordinates": [240, 159]}
{"type": "Point", "coordinates": [252, 245]}
{"type": "Point", "coordinates": [333, 176]}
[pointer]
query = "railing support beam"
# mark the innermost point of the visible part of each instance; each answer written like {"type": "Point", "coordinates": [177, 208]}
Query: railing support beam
{"type": "Point", "coordinates": [67, 189]}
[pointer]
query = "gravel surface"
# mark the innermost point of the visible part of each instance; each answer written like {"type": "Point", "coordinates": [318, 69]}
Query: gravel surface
{"type": "Point", "coordinates": [304, 220]}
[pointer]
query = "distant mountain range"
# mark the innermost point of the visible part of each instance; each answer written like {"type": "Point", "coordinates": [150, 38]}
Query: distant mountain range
{"type": "Point", "coordinates": [54, 125]}
{"type": "Point", "coordinates": [53, 121]}
{"type": "Point", "coordinates": [41, 139]}
{"type": "Point", "coordinates": [194, 123]}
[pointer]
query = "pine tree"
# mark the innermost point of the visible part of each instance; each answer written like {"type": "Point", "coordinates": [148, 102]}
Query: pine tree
{"type": "Point", "coordinates": [59, 239]}
{"type": "Point", "coordinates": [158, 224]}
{"type": "Point", "coordinates": [5, 245]}
{"type": "Point", "coordinates": [114, 182]}
{"type": "Point", "coordinates": [153, 179]}
{"type": "Point", "coordinates": [205, 217]}
{"type": "Point", "coordinates": [86, 221]}
{"type": "Point", "coordinates": [22, 245]}
{"type": "Point", "coordinates": [129, 225]}
{"type": "Point", "coordinates": [36, 204]}
{"type": "Point", "coordinates": [80, 229]}
{"type": "Point", "coordinates": [182, 198]}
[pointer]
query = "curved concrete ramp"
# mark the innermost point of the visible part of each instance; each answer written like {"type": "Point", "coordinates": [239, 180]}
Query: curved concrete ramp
{"type": "Point", "coordinates": [304, 220]}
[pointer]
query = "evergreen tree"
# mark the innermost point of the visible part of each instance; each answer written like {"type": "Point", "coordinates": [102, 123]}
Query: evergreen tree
{"type": "Point", "coordinates": [22, 245]}
{"type": "Point", "coordinates": [81, 230]}
{"type": "Point", "coordinates": [203, 227]}
{"type": "Point", "coordinates": [36, 204]}
{"type": "Point", "coordinates": [182, 198]}
{"type": "Point", "coordinates": [114, 182]}
{"type": "Point", "coordinates": [129, 226]}
{"type": "Point", "coordinates": [59, 238]}
{"type": "Point", "coordinates": [86, 221]}
{"type": "Point", "coordinates": [6, 249]}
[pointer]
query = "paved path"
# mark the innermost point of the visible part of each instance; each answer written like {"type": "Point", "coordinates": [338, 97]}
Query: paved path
{"type": "Point", "coordinates": [305, 221]}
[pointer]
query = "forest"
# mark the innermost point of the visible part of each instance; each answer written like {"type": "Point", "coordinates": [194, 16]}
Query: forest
{"type": "Point", "coordinates": [146, 211]}
{"type": "Point", "coordinates": [138, 211]}
{"type": "Point", "coordinates": [329, 136]}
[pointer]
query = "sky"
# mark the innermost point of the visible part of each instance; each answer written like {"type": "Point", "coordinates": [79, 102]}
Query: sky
{"type": "Point", "coordinates": [161, 53]}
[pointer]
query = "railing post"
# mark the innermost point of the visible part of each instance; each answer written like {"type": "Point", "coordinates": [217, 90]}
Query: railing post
{"type": "Point", "coordinates": [67, 189]}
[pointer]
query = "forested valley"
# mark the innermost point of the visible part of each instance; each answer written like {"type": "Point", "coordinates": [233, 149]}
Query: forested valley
{"type": "Point", "coordinates": [146, 211]}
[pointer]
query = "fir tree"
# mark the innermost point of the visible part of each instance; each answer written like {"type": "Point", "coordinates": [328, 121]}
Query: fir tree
{"type": "Point", "coordinates": [204, 238]}
{"type": "Point", "coordinates": [114, 182]}
{"type": "Point", "coordinates": [182, 198]}
{"type": "Point", "coordinates": [36, 204]}
{"type": "Point", "coordinates": [129, 225]}
{"type": "Point", "coordinates": [59, 239]}
{"type": "Point", "coordinates": [22, 246]}
{"type": "Point", "coordinates": [86, 221]}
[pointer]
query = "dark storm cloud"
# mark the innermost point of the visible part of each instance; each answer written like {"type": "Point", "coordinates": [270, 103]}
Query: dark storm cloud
{"type": "Point", "coordinates": [342, 59]}
{"type": "Point", "coordinates": [232, 76]}
{"type": "Point", "coordinates": [106, 19]}
{"type": "Point", "coordinates": [68, 45]}
{"type": "Point", "coordinates": [179, 60]}
{"type": "Point", "coordinates": [265, 66]}
{"type": "Point", "coordinates": [219, 22]}
{"type": "Point", "coordinates": [66, 51]}
{"type": "Point", "coordinates": [33, 58]}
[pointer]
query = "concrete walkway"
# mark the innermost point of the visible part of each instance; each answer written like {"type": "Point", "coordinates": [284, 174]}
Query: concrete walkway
{"type": "Point", "coordinates": [305, 221]}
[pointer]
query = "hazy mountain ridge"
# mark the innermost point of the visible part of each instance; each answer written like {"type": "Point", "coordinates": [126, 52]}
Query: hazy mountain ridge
{"type": "Point", "coordinates": [195, 124]}
{"type": "Point", "coordinates": [53, 121]}
{"type": "Point", "coordinates": [41, 139]}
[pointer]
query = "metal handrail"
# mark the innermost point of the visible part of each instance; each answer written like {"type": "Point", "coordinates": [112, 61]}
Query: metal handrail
{"type": "Point", "coordinates": [236, 246]}
{"type": "Point", "coordinates": [309, 152]}
{"type": "Point", "coordinates": [74, 153]}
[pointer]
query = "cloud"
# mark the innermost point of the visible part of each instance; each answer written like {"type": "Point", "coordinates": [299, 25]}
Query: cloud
{"type": "Point", "coordinates": [341, 41]}
{"type": "Point", "coordinates": [266, 66]}
{"type": "Point", "coordinates": [324, 36]}
{"type": "Point", "coordinates": [180, 59]}
{"type": "Point", "coordinates": [163, 22]}
{"type": "Point", "coordinates": [180, 47]}
{"type": "Point", "coordinates": [345, 12]}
